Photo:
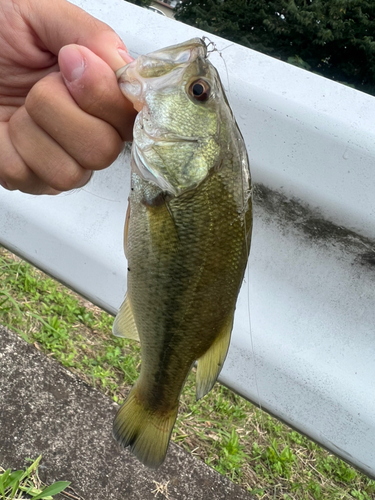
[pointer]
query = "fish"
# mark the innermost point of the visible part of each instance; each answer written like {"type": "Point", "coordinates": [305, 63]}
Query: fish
{"type": "Point", "coordinates": [187, 237]}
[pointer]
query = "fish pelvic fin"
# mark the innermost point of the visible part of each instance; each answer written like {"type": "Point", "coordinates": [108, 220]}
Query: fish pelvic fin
{"type": "Point", "coordinates": [211, 363]}
{"type": "Point", "coordinates": [124, 324]}
{"type": "Point", "coordinates": [146, 432]}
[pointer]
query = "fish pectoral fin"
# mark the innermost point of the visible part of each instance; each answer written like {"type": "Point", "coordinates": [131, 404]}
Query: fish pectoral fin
{"type": "Point", "coordinates": [210, 364]}
{"type": "Point", "coordinates": [124, 324]}
{"type": "Point", "coordinates": [147, 432]}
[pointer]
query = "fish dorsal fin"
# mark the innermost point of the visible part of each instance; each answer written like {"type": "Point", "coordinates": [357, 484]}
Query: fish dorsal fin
{"type": "Point", "coordinates": [210, 364]}
{"type": "Point", "coordinates": [124, 325]}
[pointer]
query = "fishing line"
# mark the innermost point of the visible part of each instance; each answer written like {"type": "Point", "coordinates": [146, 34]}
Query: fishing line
{"type": "Point", "coordinates": [248, 239]}
{"type": "Point", "coordinates": [227, 47]}
{"type": "Point", "coordinates": [252, 339]}
{"type": "Point", "coordinates": [211, 47]}
{"type": "Point", "coordinates": [97, 196]}
{"type": "Point", "coordinates": [245, 195]}
{"type": "Point", "coordinates": [226, 70]}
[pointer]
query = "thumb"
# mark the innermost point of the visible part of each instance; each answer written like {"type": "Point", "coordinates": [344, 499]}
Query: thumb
{"type": "Point", "coordinates": [93, 86]}
{"type": "Point", "coordinates": [60, 23]}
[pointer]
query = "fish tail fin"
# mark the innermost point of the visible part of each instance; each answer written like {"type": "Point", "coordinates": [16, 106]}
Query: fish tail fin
{"type": "Point", "coordinates": [146, 432]}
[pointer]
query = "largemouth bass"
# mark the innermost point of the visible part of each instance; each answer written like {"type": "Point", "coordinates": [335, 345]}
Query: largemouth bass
{"type": "Point", "coordinates": [187, 237]}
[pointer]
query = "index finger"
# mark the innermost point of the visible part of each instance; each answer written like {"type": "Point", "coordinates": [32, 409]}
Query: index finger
{"type": "Point", "coordinates": [60, 23]}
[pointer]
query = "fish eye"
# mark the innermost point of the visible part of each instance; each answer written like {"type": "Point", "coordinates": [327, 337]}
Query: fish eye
{"type": "Point", "coordinates": [200, 90]}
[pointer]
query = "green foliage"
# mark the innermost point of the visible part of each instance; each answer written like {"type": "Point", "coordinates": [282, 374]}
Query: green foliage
{"type": "Point", "coordinates": [360, 495]}
{"type": "Point", "coordinates": [231, 455]}
{"type": "Point", "coordinates": [25, 484]}
{"type": "Point", "coordinates": [40, 310]}
{"type": "Point", "coordinates": [141, 3]}
{"type": "Point", "coordinates": [332, 37]}
{"type": "Point", "coordinates": [340, 469]}
{"type": "Point", "coordinates": [281, 462]}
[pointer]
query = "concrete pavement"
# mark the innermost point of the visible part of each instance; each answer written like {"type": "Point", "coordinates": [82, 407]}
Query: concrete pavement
{"type": "Point", "coordinates": [45, 409]}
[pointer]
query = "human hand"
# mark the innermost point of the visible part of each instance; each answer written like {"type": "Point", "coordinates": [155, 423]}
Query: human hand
{"type": "Point", "coordinates": [57, 127]}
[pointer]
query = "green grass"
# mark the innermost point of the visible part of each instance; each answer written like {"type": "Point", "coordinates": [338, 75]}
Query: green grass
{"type": "Point", "coordinates": [230, 434]}
{"type": "Point", "coordinates": [25, 484]}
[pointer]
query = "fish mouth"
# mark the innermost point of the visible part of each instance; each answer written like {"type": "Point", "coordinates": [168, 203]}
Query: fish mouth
{"type": "Point", "coordinates": [144, 72]}
{"type": "Point", "coordinates": [161, 62]}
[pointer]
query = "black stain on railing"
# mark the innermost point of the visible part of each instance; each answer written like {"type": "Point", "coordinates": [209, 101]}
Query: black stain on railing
{"type": "Point", "coordinates": [367, 259]}
{"type": "Point", "coordinates": [293, 214]}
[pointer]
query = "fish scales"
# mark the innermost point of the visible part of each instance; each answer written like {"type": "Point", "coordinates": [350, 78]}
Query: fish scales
{"type": "Point", "coordinates": [187, 243]}
{"type": "Point", "coordinates": [189, 262]}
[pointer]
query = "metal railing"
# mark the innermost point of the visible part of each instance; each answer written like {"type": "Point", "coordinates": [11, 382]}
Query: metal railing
{"type": "Point", "coordinates": [309, 356]}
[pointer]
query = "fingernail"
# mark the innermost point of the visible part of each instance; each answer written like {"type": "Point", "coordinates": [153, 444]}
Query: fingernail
{"type": "Point", "coordinates": [3, 184]}
{"type": "Point", "coordinates": [125, 56]}
{"type": "Point", "coordinates": [85, 180]}
{"type": "Point", "coordinates": [72, 64]}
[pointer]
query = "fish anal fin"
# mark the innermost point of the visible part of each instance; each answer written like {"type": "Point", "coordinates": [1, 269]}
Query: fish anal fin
{"type": "Point", "coordinates": [211, 363]}
{"type": "Point", "coordinates": [147, 432]}
{"type": "Point", "coordinates": [124, 324]}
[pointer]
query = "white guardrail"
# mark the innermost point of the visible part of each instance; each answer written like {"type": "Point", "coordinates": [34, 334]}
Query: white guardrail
{"type": "Point", "coordinates": [309, 358]}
